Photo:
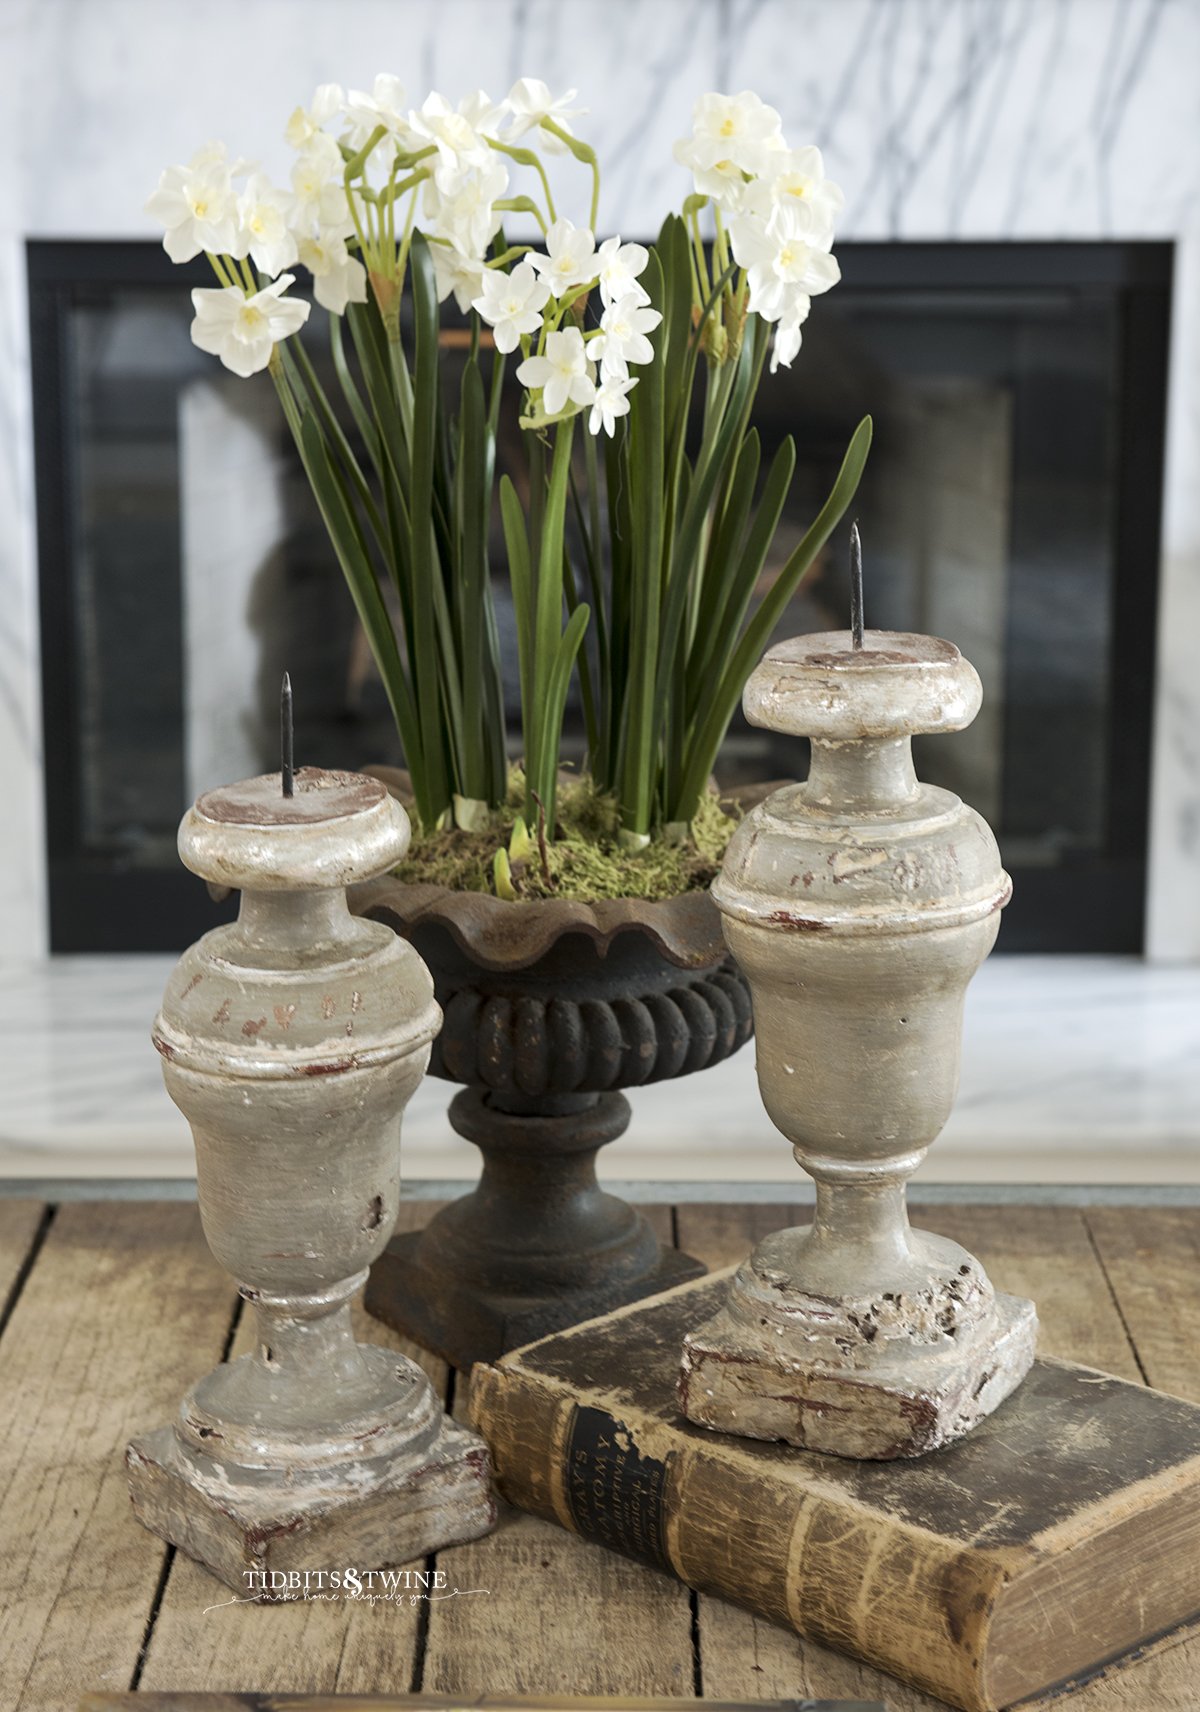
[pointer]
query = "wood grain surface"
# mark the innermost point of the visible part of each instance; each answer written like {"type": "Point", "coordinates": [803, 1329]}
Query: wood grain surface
{"type": "Point", "coordinates": [114, 1308]}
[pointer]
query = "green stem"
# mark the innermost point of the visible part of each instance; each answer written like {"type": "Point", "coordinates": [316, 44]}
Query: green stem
{"type": "Point", "coordinates": [582, 152]}
{"type": "Point", "coordinates": [527, 157]}
{"type": "Point", "coordinates": [223, 273]}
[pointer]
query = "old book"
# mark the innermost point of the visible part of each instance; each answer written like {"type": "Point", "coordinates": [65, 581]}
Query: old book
{"type": "Point", "coordinates": [1063, 1533]}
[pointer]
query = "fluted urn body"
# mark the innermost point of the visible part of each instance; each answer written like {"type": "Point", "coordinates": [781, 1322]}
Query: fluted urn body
{"type": "Point", "coordinates": [291, 1040]}
{"type": "Point", "coordinates": [859, 904]}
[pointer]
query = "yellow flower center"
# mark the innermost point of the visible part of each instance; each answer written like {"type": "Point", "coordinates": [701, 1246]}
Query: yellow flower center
{"type": "Point", "coordinates": [728, 128]}
{"type": "Point", "coordinates": [249, 320]}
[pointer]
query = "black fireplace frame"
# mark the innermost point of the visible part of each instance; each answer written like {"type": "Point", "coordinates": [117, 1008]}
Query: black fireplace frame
{"type": "Point", "coordinates": [1097, 905]}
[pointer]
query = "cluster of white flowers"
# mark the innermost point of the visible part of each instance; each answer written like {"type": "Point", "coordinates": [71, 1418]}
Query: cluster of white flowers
{"type": "Point", "coordinates": [777, 204]}
{"type": "Point", "coordinates": [368, 168]}
{"type": "Point", "coordinates": [231, 211]}
{"type": "Point", "coordinates": [570, 368]}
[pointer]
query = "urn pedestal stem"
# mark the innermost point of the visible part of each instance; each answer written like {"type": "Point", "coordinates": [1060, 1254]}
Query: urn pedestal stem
{"type": "Point", "coordinates": [859, 905]}
{"type": "Point", "coordinates": [536, 1245]}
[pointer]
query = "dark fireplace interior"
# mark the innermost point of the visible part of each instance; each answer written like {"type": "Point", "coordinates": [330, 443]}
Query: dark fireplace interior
{"type": "Point", "coordinates": [1011, 503]}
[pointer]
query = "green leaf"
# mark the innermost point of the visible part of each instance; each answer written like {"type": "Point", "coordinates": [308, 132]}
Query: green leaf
{"type": "Point", "coordinates": [304, 378]}
{"type": "Point", "coordinates": [356, 567]}
{"type": "Point", "coordinates": [542, 737]}
{"type": "Point", "coordinates": [473, 481]}
{"type": "Point", "coordinates": [502, 876]}
{"type": "Point", "coordinates": [423, 652]}
{"type": "Point", "coordinates": [556, 700]}
{"type": "Point", "coordinates": [519, 843]}
{"type": "Point", "coordinates": [731, 576]}
{"type": "Point", "coordinates": [672, 248]}
{"type": "Point", "coordinates": [644, 472]}
{"type": "Point", "coordinates": [726, 693]}
{"type": "Point", "coordinates": [520, 576]}
{"type": "Point", "coordinates": [717, 449]}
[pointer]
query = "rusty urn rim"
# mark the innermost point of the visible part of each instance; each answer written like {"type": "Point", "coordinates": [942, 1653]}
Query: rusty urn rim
{"type": "Point", "coordinates": [501, 934]}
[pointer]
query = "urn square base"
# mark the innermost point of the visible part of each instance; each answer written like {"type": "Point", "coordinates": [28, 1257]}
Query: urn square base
{"type": "Point", "coordinates": [914, 1401]}
{"type": "Point", "coordinates": [235, 1522]}
{"type": "Point", "coordinates": [465, 1322]}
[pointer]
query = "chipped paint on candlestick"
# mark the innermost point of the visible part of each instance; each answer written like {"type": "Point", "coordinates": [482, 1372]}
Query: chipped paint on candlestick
{"type": "Point", "coordinates": [859, 1336]}
{"type": "Point", "coordinates": [314, 1450]}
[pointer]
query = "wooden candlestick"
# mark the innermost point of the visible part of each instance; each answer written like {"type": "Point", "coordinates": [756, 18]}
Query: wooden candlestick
{"type": "Point", "coordinates": [291, 1040]}
{"type": "Point", "coordinates": [859, 905]}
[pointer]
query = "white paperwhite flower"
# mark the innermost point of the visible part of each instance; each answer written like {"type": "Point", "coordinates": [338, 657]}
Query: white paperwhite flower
{"type": "Point", "coordinates": [733, 136]}
{"type": "Point", "coordinates": [623, 340]}
{"type": "Point", "coordinates": [384, 106]}
{"type": "Point", "coordinates": [781, 264]}
{"type": "Point", "coordinates": [570, 259]}
{"type": "Point", "coordinates": [338, 277]}
{"type": "Point", "coordinates": [263, 232]}
{"type": "Point", "coordinates": [530, 101]}
{"type": "Point", "coordinates": [306, 122]}
{"type": "Point", "coordinates": [242, 330]}
{"type": "Point", "coordinates": [458, 273]}
{"type": "Point", "coordinates": [786, 342]}
{"type": "Point", "coordinates": [512, 303]}
{"type": "Point", "coordinates": [197, 205]}
{"type": "Point", "coordinates": [561, 373]}
{"type": "Point", "coordinates": [458, 143]}
{"type": "Point", "coordinates": [618, 266]}
{"type": "Point", "coordinates": [611, 400]}
{"type": "Point", "coordinates": [484, 115]}
{"type": "Point", "coordinates": [318, 187]}
{"type": "Point", "coordinates": [463, 210]}
{"type": "Point", "coordinates": [796, 178]}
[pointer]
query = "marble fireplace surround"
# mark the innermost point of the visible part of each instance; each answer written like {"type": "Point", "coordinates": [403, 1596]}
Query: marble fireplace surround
{"type": "Point", "coordinates": [965, 119]}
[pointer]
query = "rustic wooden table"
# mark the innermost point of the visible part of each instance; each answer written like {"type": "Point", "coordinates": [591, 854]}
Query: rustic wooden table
{"type": "Point", "coordinates": [113, 1307]}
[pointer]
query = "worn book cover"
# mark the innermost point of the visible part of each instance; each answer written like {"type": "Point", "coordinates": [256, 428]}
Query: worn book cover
{"type": "Point", "coordinates": [1063, 1533]}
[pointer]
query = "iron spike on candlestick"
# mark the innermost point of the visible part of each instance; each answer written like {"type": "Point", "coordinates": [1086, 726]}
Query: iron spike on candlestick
{"type": "Point", "coordinates": [292, 1040]}
{"type": "Point", "coordinates": [859, 905]}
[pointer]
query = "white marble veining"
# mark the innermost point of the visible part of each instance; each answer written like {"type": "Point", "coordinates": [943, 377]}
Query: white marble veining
{"type": "Point", "coordinates": [942, 118]}
{"type": "Point", "coordinates": [1075, 1070]}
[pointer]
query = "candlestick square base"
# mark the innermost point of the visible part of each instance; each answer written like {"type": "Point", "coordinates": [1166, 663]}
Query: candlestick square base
{"type": "Point", "coordinates": [242, 1523]}
{"type": "Point", "coordinates": [911, 1399]}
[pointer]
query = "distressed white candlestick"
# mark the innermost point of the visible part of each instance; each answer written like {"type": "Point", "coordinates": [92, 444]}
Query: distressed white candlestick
{"type": "Point", "coordinates": [859, 904]}
{"type": "Point", "coordinates": [291, 1040]}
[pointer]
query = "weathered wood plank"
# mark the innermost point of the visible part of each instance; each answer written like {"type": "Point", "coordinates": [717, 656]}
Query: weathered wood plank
{"type": "Point", "coordinates": [200, 1640]}
{"type": "Point", "coordinates": [559, 1616]}
{"type": "Point", "coordinates": [1043, 1252]}
{"type": "Point", "coordinates": [413, 1703]}
{"type": "Point", "coordinates": [20, 1222]}
{"type": "Point", "coordinates": [1151, 1256]}
{"type": "Point", "coordinates": [123, 1303]}
{"type": "Point", "coordinates": [125, 1307]}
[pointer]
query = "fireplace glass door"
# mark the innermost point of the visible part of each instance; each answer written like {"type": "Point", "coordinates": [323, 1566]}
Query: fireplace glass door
{"type": "Point", "coordinates": [1011, 503]}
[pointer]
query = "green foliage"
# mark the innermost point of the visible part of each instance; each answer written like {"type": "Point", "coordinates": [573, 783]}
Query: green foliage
{"type": "Point", "coordinates": [688, 542]}
{"type": "Point", "coordinates": [410, 531]}
{"type": "Point", "coordinates": [669, 540]}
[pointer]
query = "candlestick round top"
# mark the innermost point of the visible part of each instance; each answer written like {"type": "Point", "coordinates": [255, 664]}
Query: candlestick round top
{"type": "Point", "coordinates": [895, 685]}
{"type": "Point", "coordinates": [335, 830]}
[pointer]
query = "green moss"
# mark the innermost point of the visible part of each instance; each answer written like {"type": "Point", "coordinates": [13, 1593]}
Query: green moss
{"type": "Point", "coordinates": [586, 860]}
